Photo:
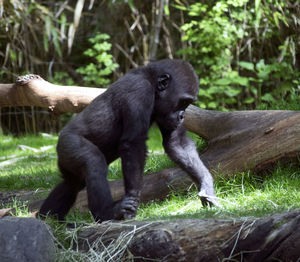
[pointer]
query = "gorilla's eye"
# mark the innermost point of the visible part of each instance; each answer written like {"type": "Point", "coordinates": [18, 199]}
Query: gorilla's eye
{"type": "Point", "coordinates": [163, 82]}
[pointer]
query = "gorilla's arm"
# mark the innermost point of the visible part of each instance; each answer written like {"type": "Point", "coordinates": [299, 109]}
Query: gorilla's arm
{"type": "Point", "coordinates": [136, 119]}
{"type": "Point", "coordinates": [182, 151]}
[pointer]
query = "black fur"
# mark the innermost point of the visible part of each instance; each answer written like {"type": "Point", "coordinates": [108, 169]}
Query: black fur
{"type": "Point", "coordinates": [116, 124]}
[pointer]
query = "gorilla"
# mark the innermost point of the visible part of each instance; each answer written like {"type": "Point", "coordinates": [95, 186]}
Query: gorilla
{"type": "Point", "coordinates": [115, 124]}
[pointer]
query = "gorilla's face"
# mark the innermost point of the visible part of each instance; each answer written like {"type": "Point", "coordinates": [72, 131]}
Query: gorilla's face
{"type": "Point", "coordinates": [171, 117]}
{"type": "Point", "coordinates": [176, 90]}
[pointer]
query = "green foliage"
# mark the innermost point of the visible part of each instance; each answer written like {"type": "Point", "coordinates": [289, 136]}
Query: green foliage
{"type": "Point", "coordinates": [230, 44]}
{"type": "Point", "coordinates": [62, 78]}
{"type": "Point", "coordinates": [270, 82]}
{"type": "Point", "coordinates": [97, 72]}
{"type": "Point", "coordinates": [31, 33]}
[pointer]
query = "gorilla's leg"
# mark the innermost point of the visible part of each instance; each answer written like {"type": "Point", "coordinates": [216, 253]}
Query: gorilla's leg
{"type": "Point", "coordinates": [87, 163]}
{"type": "Point", "coordinates": [81, 163]}
{"type": "Point", "coordinates": [100, 199]}
{"type": "Point", "coordinates": [60, 200]}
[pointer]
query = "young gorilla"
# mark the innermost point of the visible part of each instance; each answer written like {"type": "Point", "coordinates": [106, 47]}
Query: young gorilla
{"type": "Point", "coordinates": [116, 124]}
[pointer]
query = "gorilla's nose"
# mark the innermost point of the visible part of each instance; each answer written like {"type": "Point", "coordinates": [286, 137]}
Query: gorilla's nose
{"type": "Point", "coordinates": [181, 116]}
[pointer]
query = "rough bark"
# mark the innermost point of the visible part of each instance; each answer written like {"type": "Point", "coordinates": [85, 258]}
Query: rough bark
{"type": "Point", "coordinates": [273, 238]}
{"type": "Point", "coordinates": [244, 140]}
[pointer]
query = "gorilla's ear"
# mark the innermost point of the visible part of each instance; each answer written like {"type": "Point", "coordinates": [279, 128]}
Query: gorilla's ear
{"type": "Point", "coordinates": [163, 82]}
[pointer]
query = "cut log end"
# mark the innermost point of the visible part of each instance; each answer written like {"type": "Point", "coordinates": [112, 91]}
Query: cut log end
{"type": "Point", "coordinates": [23, 80]}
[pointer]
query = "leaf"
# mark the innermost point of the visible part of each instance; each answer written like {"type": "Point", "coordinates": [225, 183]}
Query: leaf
{"type": "Point", "coordinates": [167, 10]}
{"type": "Point", "coordinates": [212, 105]}
{"type": "Point", "coordinates": [132, 7]}
{"type": "Point", "coordinates": [183, 8]}
{"type": "Point", "coordinates": [268, 98]}
{"type": "Point", "coordinates": [257, 4]}
{"type": "Point", "coordinates": [48, 26]}
{"type": "Point", "coordinates": [231, 92]}
{"type": "Point", "coordinates": [55, 41]}
{"type": "Point", "coordinates": [260, 65]}
{"type": "Point", "coordinates": [223, 81]}
{"type": "Point", "coordinates": [230, 101]}
{"type": "Point", "coordinates": [46, 42]}
{"type": "Point", "coordinates": [258, 18]}
{"type": "Point", "coordinates": [12, 55]}
{"type": "Point", "coordinates": [243, 81]}
{"type": "Point", "coordinates": [253, 90]}
{"type": "Point", "coordinates": [248, 100]}
{"type": "Point", "coordinates": [204, 93]}
{"type": "Point", "coordinates": [247, 65]}
{"type": "Point", "coordinates": [275, 16]}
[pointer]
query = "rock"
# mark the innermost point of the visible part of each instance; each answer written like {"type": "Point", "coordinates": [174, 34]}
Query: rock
{"type": "Point", "coordinates": [25, 239]}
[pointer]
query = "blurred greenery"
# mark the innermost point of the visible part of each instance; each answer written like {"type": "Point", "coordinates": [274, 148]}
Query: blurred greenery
{"type": "Point", "coordinates": [246, 53]}
{"type": "Point", "coordinates": [96, 73]}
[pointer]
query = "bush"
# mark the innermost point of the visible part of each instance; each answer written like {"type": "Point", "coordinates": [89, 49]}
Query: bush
{"type": "Point", "coordinates": [97, 72]}
{"type": "Point", "coordinates": [239, 52]}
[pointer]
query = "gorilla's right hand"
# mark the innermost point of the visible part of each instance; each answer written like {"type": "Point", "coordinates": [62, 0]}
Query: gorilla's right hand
{"type": "Point", "coordinates": [126, 208]}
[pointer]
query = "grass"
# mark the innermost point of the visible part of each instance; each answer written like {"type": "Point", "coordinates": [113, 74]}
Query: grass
{"type": "Point", "coordinates": [28, 162]}
{"type": "Point", "coordinates": [33, 166]}
{"type": "Point", "coordinates": [242, 195]}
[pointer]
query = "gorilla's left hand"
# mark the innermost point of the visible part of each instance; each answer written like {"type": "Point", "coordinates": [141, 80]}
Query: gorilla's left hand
{"type": "Point", "coordinates": [208, 199]}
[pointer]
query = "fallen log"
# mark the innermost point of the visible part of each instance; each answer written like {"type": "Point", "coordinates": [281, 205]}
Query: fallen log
{"type": "Point", "coordinates": [245, 140]}
{"type": "Point", "coordinates": [273, 238]}
{"type": "Point", "coordinates": [236, 141]}
{"type": "Point", "coordinates": [32, 90]}
{"type": "Point", "coordinates": [156, 186]}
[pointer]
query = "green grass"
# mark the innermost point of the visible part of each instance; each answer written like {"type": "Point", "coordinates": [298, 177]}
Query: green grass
{"type": "Point", "coordinates": [32, 170]}
{"type": "Point", "coordinates": [25, 168]}
{"type": "Point", "coordinates": [243, 194]}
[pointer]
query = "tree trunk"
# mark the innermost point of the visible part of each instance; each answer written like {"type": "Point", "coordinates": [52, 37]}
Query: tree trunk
{"type": "Point", "coordinates": [243, 140]}
{"type": "Point", "coordinates": [159, 12]}
{"type": "Point", "coordinates": [274, 238]}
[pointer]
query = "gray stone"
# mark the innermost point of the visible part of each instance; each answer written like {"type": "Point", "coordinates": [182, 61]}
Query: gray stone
{"type": "Point", "coordinates": [25, 239]}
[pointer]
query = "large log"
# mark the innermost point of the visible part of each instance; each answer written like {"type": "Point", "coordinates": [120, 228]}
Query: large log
{"type": "Point", "coordinates": [236, 141]}
{"type": "Point", "coordinates": [274, 238]}
{"type": "Point", "coordinates": [243, 140]}
{"type": "Point", "coordinates": [32, 90]}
